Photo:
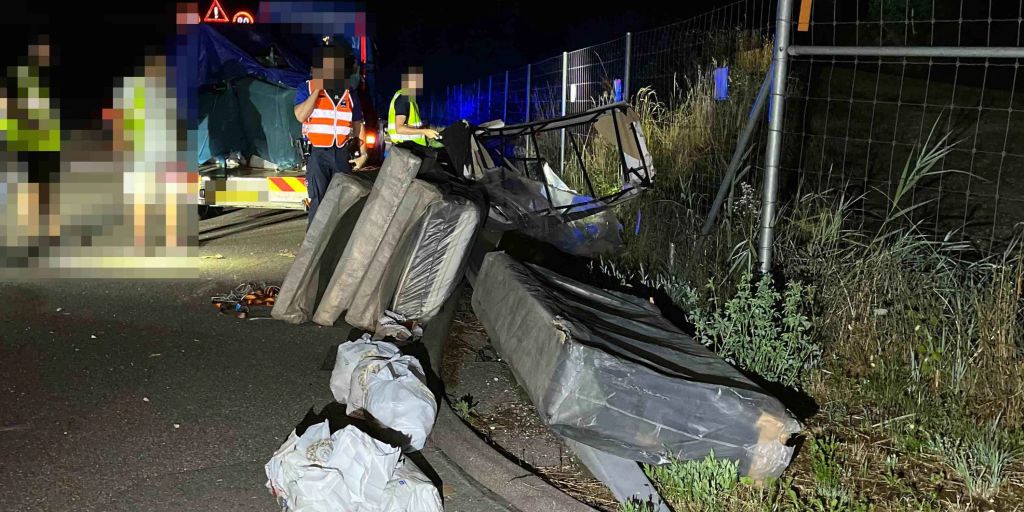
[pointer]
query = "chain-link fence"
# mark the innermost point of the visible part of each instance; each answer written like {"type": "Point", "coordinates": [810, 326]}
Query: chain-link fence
{"type": "Point", "coordinates": [869, 86]}
{"type": "Point", "coordinates": [872, 87]}
{"type": "Point", "coordinates": [662, 59]}
{"type": "Point", "coordinates": [666, 58]}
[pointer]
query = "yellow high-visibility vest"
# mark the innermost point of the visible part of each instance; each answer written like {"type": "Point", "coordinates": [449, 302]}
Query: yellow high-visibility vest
{"type": "Point", "coordinates": [413, 120]}
{"type": "Point", "coordinates": [36, 100]}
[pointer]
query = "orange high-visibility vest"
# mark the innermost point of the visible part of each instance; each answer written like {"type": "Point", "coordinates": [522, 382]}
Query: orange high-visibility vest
{"type": "Point", "coordinates": [329, 124]}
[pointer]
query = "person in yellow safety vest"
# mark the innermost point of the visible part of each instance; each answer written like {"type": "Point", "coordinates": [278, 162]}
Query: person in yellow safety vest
{"type": "Point", "coordinates": [404, 123]}
{"type": "Point", "coordinates": [30, 127]}
{"type": "Point", "coordinates": [332, 120]}
{"type": "Point", "coordinates": [143, 118]}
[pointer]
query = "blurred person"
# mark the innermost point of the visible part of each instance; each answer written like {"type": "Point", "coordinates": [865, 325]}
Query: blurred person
{"type": "Point", "coordinates": [404, 122]}
{"type": "Point", "coordinates": [144, 121]}
{"type": "Point", "coordinates": [332, 121]}
{"type": "Point", "coordinates": [30, 127]}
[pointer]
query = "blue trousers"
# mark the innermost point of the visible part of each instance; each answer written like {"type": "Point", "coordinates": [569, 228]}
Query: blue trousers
{"type": "Point", "coordinates": [321, 166]}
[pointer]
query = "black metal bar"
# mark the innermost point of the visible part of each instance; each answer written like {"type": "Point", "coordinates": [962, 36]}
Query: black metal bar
{"type": "Point", "coordinates": [618, 139]}
{"type": "Point", "coordinates": [583, 166]}
{"type": "Point", "coordinates": [542, 125]}
{"type": "Point", "coordinates": [547, 187]}
{"type": "Point", "coordinates": [645, 180]}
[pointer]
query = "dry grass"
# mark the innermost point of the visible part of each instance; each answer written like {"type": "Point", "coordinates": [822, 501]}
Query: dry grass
{"type": "Point", "coordinates": [578, 484]}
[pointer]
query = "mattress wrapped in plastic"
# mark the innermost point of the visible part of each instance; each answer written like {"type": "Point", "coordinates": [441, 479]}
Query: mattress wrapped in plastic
{"type": "Point", "coordinates": [437, 250]}
{"type": "Point", "coordinates": [607, 370]}
{"type": "Point", "coordinates": [376, 288]}
{"type": "Point", "coordinates": [397, 173]}
{"type": "Point", "coordinates": [324, 243]}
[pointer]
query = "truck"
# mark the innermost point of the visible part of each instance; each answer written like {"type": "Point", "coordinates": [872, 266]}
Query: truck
{"type": "Point", "coordinates": [248, 147]}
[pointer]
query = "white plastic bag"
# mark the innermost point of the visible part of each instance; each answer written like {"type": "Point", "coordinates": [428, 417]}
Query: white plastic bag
{"type": "Point", "coordinates": [286, 465]}
{"type": "Point", "coordinates": [394, 393]}
{"type": "Point", "coordinates": [411, 491]}
{"type": "Point", "coordinates": [350, 354]}
{"type": "Point", "coordinates": [318, 471]}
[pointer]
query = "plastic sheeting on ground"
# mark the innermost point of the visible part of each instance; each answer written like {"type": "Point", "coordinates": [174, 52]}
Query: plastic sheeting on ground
{"type": "Point", "coordinates": [394, 392]}
{"type": "Point", "coordinates": [325, 240]}
{"type": "Point", "coordinates": [377, 286]}
{"type": "Point", "coordinates": [350, 354]}
{"type": "Point", "coordinates": [410, 491]}
{"type": "Point", "coordinates": [515, 199]}
{"type": "Point", "coordinates": [607, 370]}
{"type": "Point", "coordinates": [383, 203]}
{"type": "Point", "coordinates": [319, 471]}
{"type": "Point", "coordinates": [435, 256]}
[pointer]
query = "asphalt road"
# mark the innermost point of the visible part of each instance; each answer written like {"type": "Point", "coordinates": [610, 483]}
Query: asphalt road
{"type": "Point", "coordinates": [138, 395]}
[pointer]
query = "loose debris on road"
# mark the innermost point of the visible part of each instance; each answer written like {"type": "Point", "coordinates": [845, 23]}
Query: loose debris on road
{"type": "Point", "coordinates": [238, 301]}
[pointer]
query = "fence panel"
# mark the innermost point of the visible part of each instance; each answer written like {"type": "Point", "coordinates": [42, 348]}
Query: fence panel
{"type": "Point", "coordinates": [855, 122]}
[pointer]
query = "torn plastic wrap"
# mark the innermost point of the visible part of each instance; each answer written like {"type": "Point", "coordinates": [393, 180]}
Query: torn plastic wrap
{"type": "Point", "coordinates": [396, 327]}
{"type": "Point", "coordinates": [383, 203]}
{"type": "Point", "coordinates": [607, 370]}
{"type": "Point", "coordinates": [514, 198]}
{"type": "Point", "coordinates": [437, 252]}
{"type": "Point", "coordinates": [325, 241]}
{"type": "Point", "coordinates": [323, 472]}
{"type": "Point", "coordinates": [394, 392]}
{"type": "Point", "coordinates": [377, 286]}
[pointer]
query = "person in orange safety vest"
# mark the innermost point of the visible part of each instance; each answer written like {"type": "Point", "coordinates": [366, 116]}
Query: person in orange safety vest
{"type": "Point", "coordinates": [332, 121]}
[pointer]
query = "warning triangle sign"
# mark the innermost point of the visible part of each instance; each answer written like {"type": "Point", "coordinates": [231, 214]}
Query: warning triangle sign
{"type": "Point", "coordinates": [216, 13]}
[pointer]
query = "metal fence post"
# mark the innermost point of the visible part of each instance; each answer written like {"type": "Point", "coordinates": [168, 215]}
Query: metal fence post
{"type": "Point", "coordinates": [629, 54]}
{"type": "Point", "coordinates": [773, 153]}
{"type": "Point", "coordinates": [504, 110]}
{"type": "Point", "coordinates": [565, 81]}
{"type": "Point", "coordinates": [741, 148]}
{"type": "Point", "coordinates": [529, 69]}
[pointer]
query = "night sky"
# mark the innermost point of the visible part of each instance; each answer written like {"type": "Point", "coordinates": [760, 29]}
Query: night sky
{"type": "Point", "coordinates": [100, 40]}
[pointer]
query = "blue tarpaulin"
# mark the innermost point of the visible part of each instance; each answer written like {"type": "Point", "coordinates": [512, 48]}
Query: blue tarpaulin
{"type": "Point", "coordinates": [229, 52]}
{"type": "Point", "coordinates": [255, 72]}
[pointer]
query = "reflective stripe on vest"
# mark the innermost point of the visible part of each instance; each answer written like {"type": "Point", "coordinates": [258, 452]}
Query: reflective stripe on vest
{"type": "Point", "coordinates": [412, 120]}
{"type": "Point", "coordinates": [329, 125]}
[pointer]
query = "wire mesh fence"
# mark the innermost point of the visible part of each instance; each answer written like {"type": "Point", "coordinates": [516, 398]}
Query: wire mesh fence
{"type": "Point", "coordinates": [858, 124]}
{"type": "Point", "coordinates": [666, 63]}
{"type": "Point", "coordinates": [851, 122]}
{"type": "Point", "coordinates": [665, 58]}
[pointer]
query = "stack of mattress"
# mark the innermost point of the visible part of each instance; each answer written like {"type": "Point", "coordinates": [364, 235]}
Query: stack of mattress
{"type": "Point", "coordinates": [374, 290]}
{"type": "Point", "coordinates": [408, 249]}
{"type": "Point", "coordinates": [396, 177]}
